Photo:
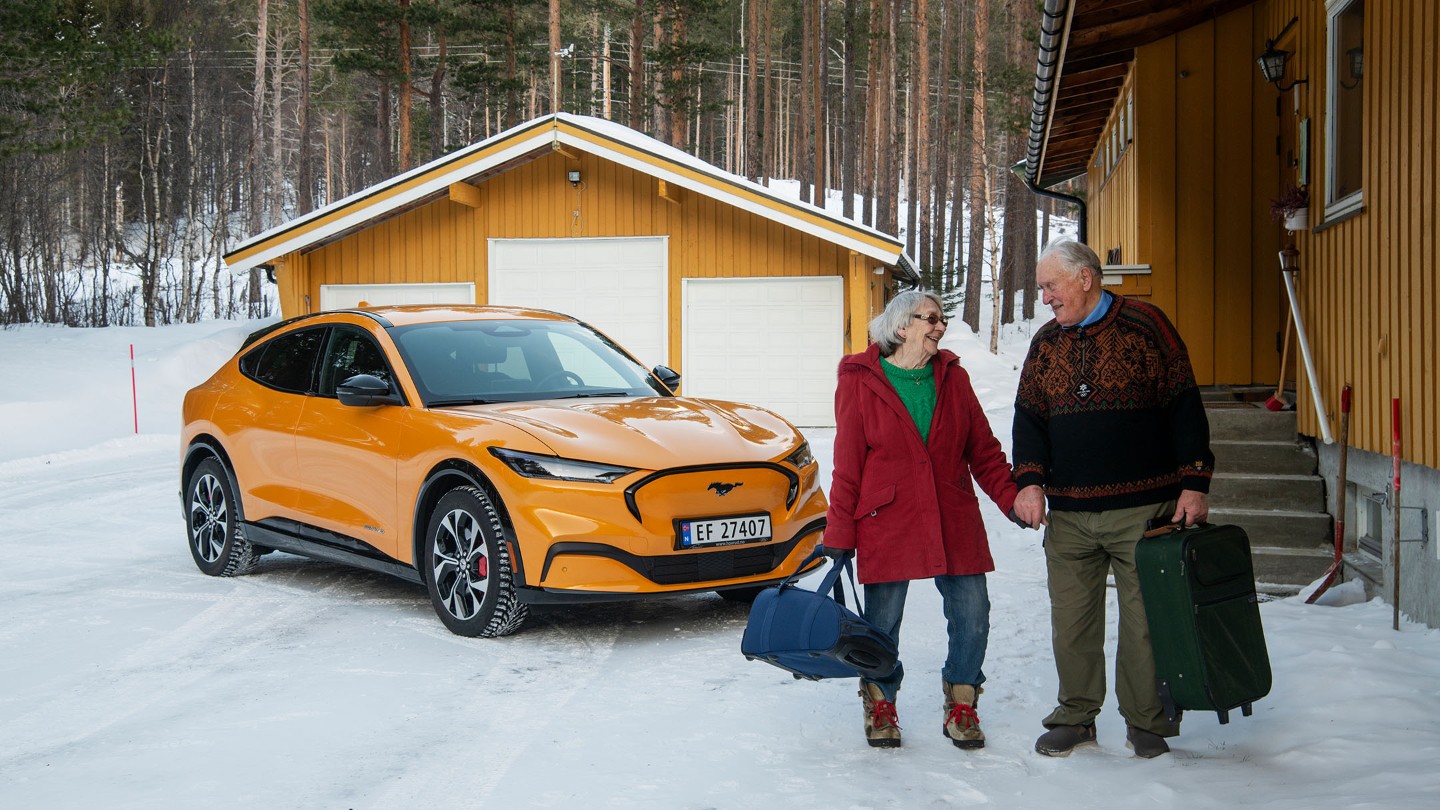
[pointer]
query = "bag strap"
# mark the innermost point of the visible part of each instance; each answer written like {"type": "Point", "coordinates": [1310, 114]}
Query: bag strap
{"type": "Point", "coordinates": [831, 582]}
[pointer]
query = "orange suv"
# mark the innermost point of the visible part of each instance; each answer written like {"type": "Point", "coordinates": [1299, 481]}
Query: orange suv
{"type": "Point", "coordinates": [500, 456]}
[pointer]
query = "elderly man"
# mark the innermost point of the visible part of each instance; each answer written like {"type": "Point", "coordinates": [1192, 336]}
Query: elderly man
{"type": "Point", "coordinates": [1110, 428]}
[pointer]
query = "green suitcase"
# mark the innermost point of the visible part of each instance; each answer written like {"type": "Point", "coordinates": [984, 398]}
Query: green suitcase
{"type": "Point", "coordinates": [1198, 585]}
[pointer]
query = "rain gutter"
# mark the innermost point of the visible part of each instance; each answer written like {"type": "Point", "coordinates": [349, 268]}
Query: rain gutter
{"type": "Point", "coordinates": [1054, 35]}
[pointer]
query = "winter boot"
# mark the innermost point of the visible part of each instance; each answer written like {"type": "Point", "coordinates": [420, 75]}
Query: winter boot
{"type": "Point", "coordinates": [1059, 741]}
{"type": "Point", "coordinates": [962, 725]}
{"type": "Point", "coordinates": [1145, 744]}
{"type": "Point", "coordinates": [882, 728]}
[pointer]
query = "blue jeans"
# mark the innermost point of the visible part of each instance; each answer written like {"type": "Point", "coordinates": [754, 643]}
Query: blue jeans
{"type": "Point", "coordinates": [967, 613]}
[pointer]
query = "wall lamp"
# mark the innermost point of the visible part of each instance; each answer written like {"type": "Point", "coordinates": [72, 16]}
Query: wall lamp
{"type": "Point", "coordinates": [1356, 57]}
{"type": "Point", "coordinates": [1272, 61]}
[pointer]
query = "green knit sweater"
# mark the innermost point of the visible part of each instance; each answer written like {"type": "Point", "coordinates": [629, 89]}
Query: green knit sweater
{"type": "Point", "coordinates": [916, 388]}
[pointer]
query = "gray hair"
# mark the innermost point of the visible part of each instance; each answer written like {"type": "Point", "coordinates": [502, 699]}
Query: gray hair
{"type": "Point", "coordinates": [885, 328]}
{"type": "Point", "coordinates": [1073, 256]}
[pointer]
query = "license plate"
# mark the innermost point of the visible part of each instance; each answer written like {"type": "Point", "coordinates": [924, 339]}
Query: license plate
{"type": "Point", "coordinates": [726, 531]}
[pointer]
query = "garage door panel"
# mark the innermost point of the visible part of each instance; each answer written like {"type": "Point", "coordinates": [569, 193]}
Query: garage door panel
{"type": "Point", "coordinates": [773, 342]}
{"type": "Point", "coordinates": [616, 285]}
{"type": "Point", "coordinates": [346, 296]}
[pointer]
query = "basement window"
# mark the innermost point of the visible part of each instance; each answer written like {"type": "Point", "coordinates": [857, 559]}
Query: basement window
{"type": "Point", "coordinates": [1369, 522]}
{"type": "Point", "coordinates": [1344, 100]}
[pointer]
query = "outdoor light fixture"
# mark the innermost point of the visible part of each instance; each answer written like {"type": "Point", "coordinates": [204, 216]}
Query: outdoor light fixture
{"type": "Point", "coordinates": [1272, 61]}
{"type": "Point", "coordinates": [573, 176]}
{"type": "Point", "coordinates": [1356, 57]}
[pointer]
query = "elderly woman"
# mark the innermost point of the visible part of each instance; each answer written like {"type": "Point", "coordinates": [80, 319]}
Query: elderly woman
{"type": "Point", "coordinates": [910, 434]}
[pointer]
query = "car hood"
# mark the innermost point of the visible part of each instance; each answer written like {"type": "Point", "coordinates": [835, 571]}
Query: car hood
{"type": "Point", "coordinates": [650, 432]}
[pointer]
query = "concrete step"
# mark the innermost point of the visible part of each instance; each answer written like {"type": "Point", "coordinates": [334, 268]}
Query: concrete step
{"type": "Point", "coordinates": [1299, 493]}
{"type": "Point", "coordinates": [1250, 423]}
{"type": "Point", "coordinates": [1284, 571]}
{"type": "Point", "coordinates": [1254, 457]}
{"type": "Point", "coordinates": [1278, 528]}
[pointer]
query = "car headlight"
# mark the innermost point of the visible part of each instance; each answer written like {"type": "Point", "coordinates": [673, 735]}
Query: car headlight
{"type": "Point", "coordinates": [800, 457]}
{"type": "Point", "coordinates": [532, 465]}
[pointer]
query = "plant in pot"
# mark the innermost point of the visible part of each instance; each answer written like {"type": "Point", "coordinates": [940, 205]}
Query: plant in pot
{"type": "Point", "coordinates": [1293, 208]}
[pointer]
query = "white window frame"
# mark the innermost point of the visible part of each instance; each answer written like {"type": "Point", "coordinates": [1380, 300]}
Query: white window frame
{"type": "Point", "coordinates": [1335, 63]}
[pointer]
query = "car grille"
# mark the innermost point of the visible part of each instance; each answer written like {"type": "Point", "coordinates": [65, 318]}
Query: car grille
{"type": "Point", "coordinates": [675, 569]}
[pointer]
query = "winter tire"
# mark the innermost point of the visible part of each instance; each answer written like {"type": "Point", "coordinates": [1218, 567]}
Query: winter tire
{"type": "Point", "coordinates": [467, 567]}
{"type": "Point", "coordinates": [217, 538]}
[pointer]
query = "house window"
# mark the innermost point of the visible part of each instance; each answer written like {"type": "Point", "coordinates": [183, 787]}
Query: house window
{"type": "Point", "coordinates": [1370, 509]}
{"type": "Point", "coordinates": [1345, 95]}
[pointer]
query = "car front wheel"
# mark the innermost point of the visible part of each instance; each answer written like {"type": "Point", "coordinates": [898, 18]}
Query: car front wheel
{"type": "Point", "coordinates": [217, 539]}
{"type": "Point", "coordinates": [467, 567]}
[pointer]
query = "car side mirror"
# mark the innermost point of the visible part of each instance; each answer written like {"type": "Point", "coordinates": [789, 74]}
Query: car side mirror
{"type": "Point", "coordinates": [366, 390]}
{"type": "Point", "coordinates": [667, 375]}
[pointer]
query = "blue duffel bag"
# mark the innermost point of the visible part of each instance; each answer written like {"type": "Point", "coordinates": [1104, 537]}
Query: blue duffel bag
{"type": "Point", "coordinates": [813, 635]}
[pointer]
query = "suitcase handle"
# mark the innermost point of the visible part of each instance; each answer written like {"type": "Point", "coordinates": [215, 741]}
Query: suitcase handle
{"type": "Point", "coordinates": [1154, 529]}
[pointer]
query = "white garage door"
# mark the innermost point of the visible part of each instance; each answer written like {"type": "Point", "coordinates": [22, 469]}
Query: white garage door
{"type": "Point", "coordinates": [345, 296]}
{"type": "Point", "coordinates": [768, 341]}
{"type": "Point", "coordinates": [615, 285]}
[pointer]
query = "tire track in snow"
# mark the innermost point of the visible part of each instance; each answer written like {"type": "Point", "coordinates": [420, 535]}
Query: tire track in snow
{"type": "Point", "coordinates": [559, 660]}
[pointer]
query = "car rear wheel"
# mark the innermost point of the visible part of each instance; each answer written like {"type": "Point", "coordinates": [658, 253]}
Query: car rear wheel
{"type": "Point", "coordinates": [217, 538]}
{"type": "Point", "coordinates": [467, 567]}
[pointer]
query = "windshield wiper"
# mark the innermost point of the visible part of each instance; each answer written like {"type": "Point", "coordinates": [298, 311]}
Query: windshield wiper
{"type": "Point", "coordinates": [593, 394]}
{"type": "Point", "coordinates": [447, 403]}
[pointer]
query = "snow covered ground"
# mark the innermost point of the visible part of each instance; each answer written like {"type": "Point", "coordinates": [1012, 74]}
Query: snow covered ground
{"type": "Point", "coordinates": [129, 679]}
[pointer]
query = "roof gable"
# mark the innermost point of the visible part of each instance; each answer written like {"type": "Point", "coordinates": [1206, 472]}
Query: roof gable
{"type": "Point", "coordinates": [534, 139]}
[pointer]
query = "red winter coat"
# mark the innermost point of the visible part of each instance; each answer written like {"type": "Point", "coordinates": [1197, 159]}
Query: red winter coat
{"type": "Point", "coordinates": [909, 508]}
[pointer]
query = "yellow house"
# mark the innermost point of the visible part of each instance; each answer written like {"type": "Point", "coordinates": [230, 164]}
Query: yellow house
{"type": "Point", "coordinates": [752, 296]}
{"type": "Point", "coordinates": [1185, 143]}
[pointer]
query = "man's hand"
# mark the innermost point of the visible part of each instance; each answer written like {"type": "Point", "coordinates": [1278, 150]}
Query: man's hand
{"type": "Point", "coordinates": [1029, 506]}
{"type": "Point", "coordinates": [837, 554]}
{"type": "Point", "coordinates": [1191, 508]}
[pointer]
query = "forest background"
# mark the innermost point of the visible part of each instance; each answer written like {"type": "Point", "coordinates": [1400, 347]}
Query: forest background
{"type": "Point", "coordinates": [141, 139]}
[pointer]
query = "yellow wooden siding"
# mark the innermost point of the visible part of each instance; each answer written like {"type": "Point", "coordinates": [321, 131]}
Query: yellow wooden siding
{"type": "Point", "coordinates": [1369, 283]}
{"type": "Point", "coordinates": [446, 241]}
{"type": "Point", "coordinates": [1185, 201]}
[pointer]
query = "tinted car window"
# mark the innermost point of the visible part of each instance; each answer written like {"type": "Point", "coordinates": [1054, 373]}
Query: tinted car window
{"type": "Point", "coordinates": [514, 361]}
{"type": "Point", "coordinates": [351, 352]}
{"type": "Point", "coordinates": [287, 362]}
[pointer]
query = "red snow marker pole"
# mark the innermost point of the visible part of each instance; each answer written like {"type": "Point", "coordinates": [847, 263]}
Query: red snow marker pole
{"type": "Point", "coordinates": [134, 399]}
{"type": "Point", "coordinates": [1395, 504]}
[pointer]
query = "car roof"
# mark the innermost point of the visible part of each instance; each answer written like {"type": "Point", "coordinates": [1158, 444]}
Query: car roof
{"type": "Point", "coordinates": [408, 314]}
{"type": "Point", "coordinates": [411, 314]}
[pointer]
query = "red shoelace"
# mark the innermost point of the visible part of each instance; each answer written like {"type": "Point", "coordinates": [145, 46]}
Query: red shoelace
{"type": "Point", "coordinates": [882, 714]}
{"type": "Point", "coordinates": [963, 715]}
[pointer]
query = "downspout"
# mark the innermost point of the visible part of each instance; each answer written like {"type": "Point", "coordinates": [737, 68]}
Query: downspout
{"type": "Point", "coordinates": [1054, 31]}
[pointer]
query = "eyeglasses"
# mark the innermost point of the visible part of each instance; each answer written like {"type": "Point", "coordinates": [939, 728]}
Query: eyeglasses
{"type": "Point", "coordinates": [932, 319]}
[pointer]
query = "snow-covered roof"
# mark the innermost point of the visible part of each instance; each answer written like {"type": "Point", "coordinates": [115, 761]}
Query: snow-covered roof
{"type": "Point", "coordinates": [595, 136]}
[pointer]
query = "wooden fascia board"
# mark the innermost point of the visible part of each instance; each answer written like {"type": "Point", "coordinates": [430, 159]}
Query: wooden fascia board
{"type": "Point", "coordinates": [731, 191]}
{"type": "Point", "coordinates": [378, 202]}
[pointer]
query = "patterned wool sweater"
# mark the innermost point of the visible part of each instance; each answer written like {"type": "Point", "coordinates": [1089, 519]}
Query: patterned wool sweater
{"type": "Point", "coordinates": [1108, 416]}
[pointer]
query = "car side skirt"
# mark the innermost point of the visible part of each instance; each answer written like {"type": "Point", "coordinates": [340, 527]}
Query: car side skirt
{"type": "Point", "coordinates": [318, 544]}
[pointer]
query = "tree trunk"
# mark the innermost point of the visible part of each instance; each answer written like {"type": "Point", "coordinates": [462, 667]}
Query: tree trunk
{"type": "Point", "coordinates": [636, 111]}
{"type": "Point", "coordinates": [257, 120]}
{"type": "Point", "coordinates": [407, 91]}
{"type": "Point", "coordinates": [921, 99]}
{"type": "Point", "coordinates": [818, 75]}
{"type": "Point", "coordinates": [978, 169]}
{"type": "Point", "coordinates": [305, 183]}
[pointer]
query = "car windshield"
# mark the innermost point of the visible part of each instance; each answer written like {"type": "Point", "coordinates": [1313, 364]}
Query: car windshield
{"type": "Point", "coordinates": [477, 362]}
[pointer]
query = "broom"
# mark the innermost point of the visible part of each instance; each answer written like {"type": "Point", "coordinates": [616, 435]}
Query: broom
{"type": "Point", "coordinates": [1277, 402]}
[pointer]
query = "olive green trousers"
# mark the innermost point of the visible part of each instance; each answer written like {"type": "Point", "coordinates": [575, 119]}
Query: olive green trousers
{"type": "Point", "coordinates": [1080, 549]}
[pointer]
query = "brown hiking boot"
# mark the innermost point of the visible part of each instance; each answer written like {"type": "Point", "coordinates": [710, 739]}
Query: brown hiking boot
{"type": "Point", "coordinates": [962, 725]}
{"type": "Point", "coordinates": [882, 725]}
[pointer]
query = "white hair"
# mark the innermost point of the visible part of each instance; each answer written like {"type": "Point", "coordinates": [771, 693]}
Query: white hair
{"type": "Point", "coordinates": [885, 328]}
